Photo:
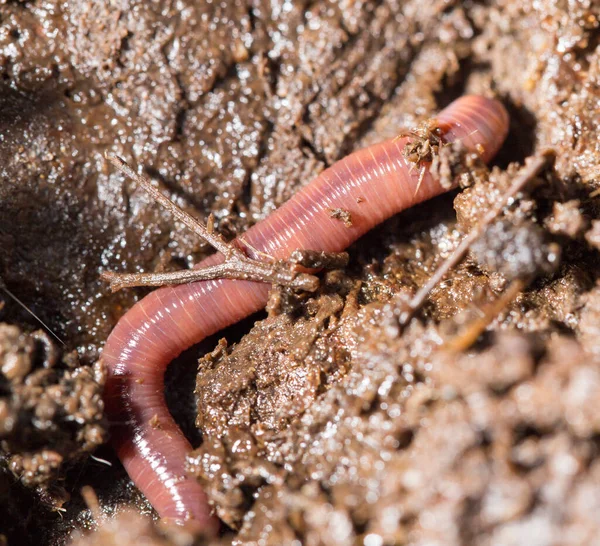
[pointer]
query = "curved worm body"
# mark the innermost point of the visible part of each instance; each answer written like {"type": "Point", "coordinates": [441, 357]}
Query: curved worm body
{"type": "Point", "coordinates": [372, 184]}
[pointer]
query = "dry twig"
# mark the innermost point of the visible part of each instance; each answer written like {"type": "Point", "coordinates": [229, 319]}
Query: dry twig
{"type": "Point", "coordinates": [236, 264]}
{"type": "Point", "coordinates": [469, 335]}
{"type": "Point", "coordinates": [530, 170]}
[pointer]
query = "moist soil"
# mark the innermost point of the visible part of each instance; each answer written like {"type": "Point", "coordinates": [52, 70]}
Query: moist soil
{"type": "Point", "coordinates": [323, 421]}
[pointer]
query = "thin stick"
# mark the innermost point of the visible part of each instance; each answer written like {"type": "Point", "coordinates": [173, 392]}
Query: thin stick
{"type": "Point", "coordinates": [46, 327]}
{"type": "Point", "coordinates": [237, 264]}
{"type": "Point", "coordinates": [469, 335]}
{"type": "Point", "coordinates": [241, 269]}
{"type": "Point", "coordinates": [527, 173]}
{"type": "Point", "coordinates": [211, 237]}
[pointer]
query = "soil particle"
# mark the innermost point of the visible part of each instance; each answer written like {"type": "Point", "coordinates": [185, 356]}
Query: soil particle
{"type": "Point", "coordinates": [589, 320]}
{"type": "Point", "coordinates": [593, 235]}
{"type": "Point", "coordinates": [342, 215]}
{"type": "Point", "coordinates": [567, 219]}
{"type": "Point", "coordinates": [319, 260]}
{"type": "Point", "coordinates": [16, 352]}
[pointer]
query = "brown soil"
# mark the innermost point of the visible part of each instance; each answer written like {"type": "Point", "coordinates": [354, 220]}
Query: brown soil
{"type": "Point", "coordinates": [325, 424]}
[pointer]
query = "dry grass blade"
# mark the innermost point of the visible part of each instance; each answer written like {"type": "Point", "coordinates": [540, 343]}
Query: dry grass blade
{"type": "Point", "coordinates": [533, 168]}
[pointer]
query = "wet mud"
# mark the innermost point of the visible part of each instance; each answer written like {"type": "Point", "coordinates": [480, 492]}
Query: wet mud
{"type": "Point", "coordinates": [322, 420]}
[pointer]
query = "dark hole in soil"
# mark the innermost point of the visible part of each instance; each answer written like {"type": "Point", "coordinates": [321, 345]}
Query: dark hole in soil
{"type": "Point", "coordinates": [520, 142]}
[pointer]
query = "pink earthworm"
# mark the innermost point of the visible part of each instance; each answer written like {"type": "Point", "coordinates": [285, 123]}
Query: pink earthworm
{"type": "Point", "coordinates": [372, 184]}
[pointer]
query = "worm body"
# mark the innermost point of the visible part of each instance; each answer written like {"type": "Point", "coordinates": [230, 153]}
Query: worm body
{"type": "Point", "coordinates": [371, 184]}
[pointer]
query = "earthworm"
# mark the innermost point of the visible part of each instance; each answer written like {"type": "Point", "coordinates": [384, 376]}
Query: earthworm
{"type": "Point", "coordinates": [371, 184]}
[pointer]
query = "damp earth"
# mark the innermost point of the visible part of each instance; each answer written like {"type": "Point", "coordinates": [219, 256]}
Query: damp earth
{"type": "Point", "coordinates": [322, 421]}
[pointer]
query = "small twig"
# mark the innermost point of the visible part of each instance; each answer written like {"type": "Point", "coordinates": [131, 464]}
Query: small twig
{"type": "Point", "coordinates": [211, 237]}
{"type": "Point", "coordinates": [526, 175]}
{"type": "Point", "coordinates": [237, 265]}
{"type": "Point", "coordinates": [469, 335]}
{"type": "Point", "coordinates": [241, 269]}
